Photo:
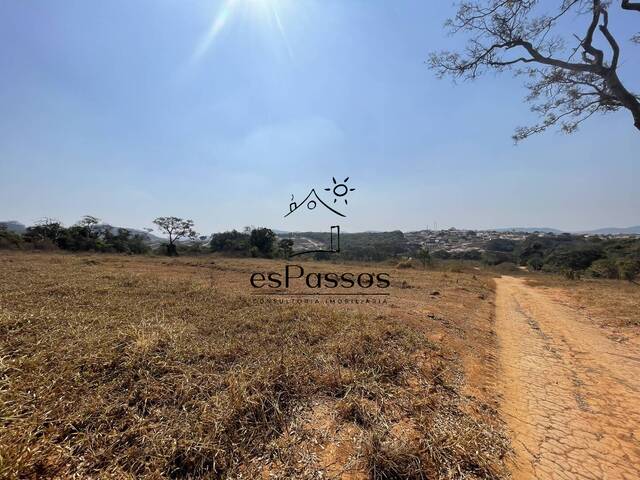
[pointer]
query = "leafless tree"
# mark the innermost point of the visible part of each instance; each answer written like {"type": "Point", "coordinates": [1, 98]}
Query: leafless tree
{"type": "Point", "coordinates": [569, 80]}
{"type": "Point", "coordinates": [176, 228]}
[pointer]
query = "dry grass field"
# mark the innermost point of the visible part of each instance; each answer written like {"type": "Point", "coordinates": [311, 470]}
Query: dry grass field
{"type": "Point", "coordinates": [145, 367]}
{"type": "Point", "coordinates": [609, 303]}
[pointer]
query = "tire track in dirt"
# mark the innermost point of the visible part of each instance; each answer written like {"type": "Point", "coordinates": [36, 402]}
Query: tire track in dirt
{"type": "Point", "coordinates": [571, 396]}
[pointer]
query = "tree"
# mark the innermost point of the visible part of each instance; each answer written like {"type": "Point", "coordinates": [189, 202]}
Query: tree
{"type": "Point", "coordinates": [629, 269]}
{"type": "Point", "coordinates": [515, 35]}
{"type": "Point", "coordinates": [535, 264]}
{"type": "Point", "coordinates": [89, 222]}
{"type": "Point", "coordinates": [9, 239]}
{"type": "Point", "coordinates": [232, 241]}
{"type": "Point", "coordinates": [286, 247]}
{"type": "Point", "coordinates": [424, 256]}
{"type": "Point", "coordinates": [176, 228]}
{"type": "Point", "coordinates": [262, 239]}
{"type": "Point", "coordinates": [496, 258]}
{"type": "Point", "coordinates": [604, 268]}
{"type": "Point", "coordinates": [124, 242]}
{"type": "Point", "coordinates": [46, 229]}
{"type": "Point", "coordinates": [574, 257]}
{"type": "Point", "coordinates": [501, 245]}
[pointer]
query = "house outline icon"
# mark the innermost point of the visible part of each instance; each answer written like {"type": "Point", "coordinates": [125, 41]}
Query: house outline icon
{"type": "Point", "coordinates": [311, 201]}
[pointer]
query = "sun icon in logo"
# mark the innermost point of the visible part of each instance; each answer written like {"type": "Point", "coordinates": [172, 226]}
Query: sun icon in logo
{"type": "Point", "coordinates": [340, 190]}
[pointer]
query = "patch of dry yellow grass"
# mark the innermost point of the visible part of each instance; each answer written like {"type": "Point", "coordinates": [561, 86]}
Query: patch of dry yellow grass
{"type": "Point", "coordinates": [614, 303]}
{"type": "Point", "coordinates": [145, 367]}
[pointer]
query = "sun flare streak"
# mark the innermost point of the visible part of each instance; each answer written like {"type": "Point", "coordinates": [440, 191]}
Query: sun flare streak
{"type": "Point", "coordinates": [217, 25]}
{"type": "Point", "coordinates": [267, 10]}
{"type": "Point", "coordinates": [276, 16]}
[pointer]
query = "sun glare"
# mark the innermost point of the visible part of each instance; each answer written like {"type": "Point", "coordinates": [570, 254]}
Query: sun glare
{"type": "Point", "coordinates": [263, 10]}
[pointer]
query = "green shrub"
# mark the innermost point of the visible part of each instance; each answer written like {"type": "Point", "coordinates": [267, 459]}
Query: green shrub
{"type": "Point", "coordinates": [262, 240]}
{"type": "Point", "coordinates": [501, 245]}
{"type": "Point", "coordinates": [424, 256]}
{"type": "Point", "coordinates": [629, 269]}
{"type": "Point", "coordinates": [441, 255]}
{"type": "Point", "coordinates": [604, 268]}
{"type": "Point", "coordinates": [574, 258]}
{"type": "Point", "coordinates": [233, 241]}
{"type": "Point", "coordinates": [10, 240]}
{"type": "Point", "coordinates": [496, 258]}
{"type": "Point", "coordinates": [535, 264]}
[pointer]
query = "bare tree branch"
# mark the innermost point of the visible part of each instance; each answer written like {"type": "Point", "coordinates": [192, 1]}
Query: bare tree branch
{"type": "Point", "coordinates": [514, 35]}
{"type": "Point", "coordinates": [627, 5]}
{"type": "Point", "coordinates": [604, 28]}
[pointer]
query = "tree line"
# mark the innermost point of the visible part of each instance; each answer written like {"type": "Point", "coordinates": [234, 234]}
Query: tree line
{"type": "Point", "coordinates": [89, 235]}
{"type": "Point", "coordinates": [571, 255]}
{"type": "Point", "coordinates": [85, 235]}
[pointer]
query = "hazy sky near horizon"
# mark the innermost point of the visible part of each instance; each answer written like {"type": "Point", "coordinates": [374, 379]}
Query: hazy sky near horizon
{"type": "Point", "coordinates": [219, 111]}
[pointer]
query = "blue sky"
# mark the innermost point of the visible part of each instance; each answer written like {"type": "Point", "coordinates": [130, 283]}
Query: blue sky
{"type": "Point", "coordinates": [129, 110]}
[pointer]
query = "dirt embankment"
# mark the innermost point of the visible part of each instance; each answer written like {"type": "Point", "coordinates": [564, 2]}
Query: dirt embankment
{"type": "Point", "coordinates": [571, 393]}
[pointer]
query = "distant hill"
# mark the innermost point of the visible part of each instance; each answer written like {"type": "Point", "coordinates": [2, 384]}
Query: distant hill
{"type": "Point", "coordinates": [615, 231]}
{"type": "Point", "coordinates": [598, 231]}
{"type": "Point", "coordinates": [149, 237]}
{"type": "Point", "coordinates": [530, 230]}
{"type": "Point", "coordinates": [14, 226]}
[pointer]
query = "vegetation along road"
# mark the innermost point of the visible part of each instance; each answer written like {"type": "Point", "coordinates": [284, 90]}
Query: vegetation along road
{"type": "Point", "coordinates": [571, 393]}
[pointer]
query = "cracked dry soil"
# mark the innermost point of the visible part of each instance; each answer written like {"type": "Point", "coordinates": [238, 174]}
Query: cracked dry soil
{"type": "Point", "coordinates": [571, 396]}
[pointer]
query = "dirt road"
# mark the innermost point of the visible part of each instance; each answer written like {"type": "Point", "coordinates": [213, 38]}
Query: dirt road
{"type": "Point", "coordinates": [571, 396]}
